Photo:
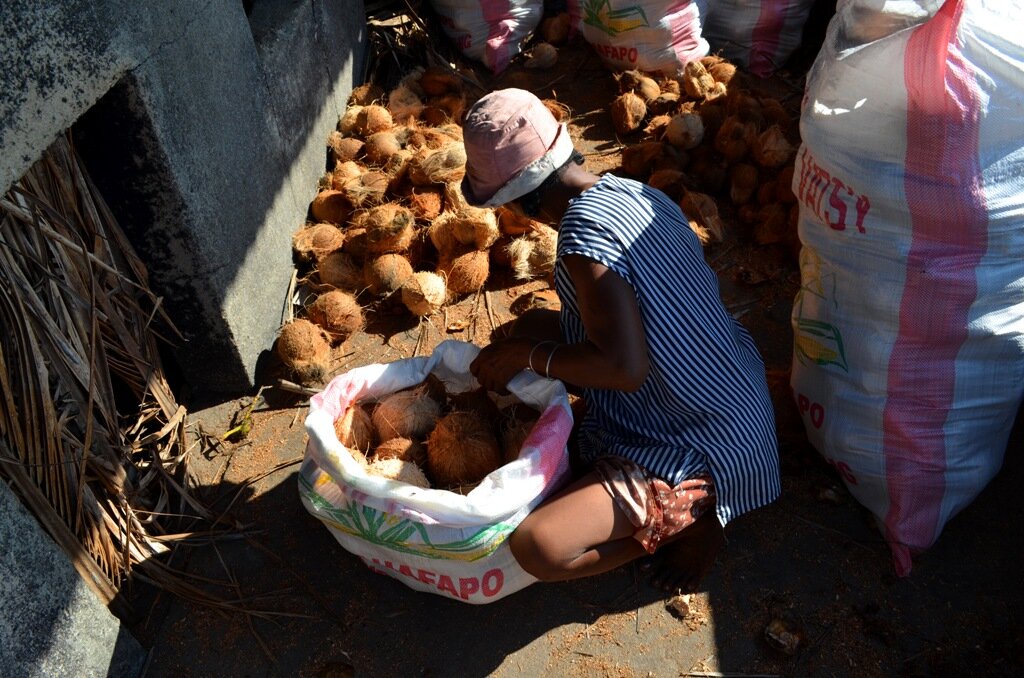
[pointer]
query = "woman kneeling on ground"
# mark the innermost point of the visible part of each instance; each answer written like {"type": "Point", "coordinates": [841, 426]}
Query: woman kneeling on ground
{"type": "Point", "coordinates": [678, 436]}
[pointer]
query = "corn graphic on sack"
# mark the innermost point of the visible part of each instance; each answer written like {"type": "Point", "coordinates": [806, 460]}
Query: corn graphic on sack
{"type": "Point", "coordinates": [434, 540]}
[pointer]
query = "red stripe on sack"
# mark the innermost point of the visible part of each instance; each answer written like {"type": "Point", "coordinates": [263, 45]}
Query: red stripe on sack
{"type": "Point", "coordinates": [764, 39]}
{"type": "Point", "coordinates": [685, 30]}
{"type": "Point", "coordinates": [498, 15]}
{"type": "Point", "coordinates": [943, 187]}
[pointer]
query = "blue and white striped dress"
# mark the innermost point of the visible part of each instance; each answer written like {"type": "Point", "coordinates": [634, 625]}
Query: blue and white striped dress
{"type": "Point", "coordinates": [704, 406]}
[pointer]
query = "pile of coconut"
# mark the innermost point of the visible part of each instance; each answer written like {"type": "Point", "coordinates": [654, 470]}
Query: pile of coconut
{"type": "Point", "coordinates": [390, 225]}
{"type": "Point", "coordinates": [704, 136]}
{"type": "Point", "coordinates": [428, 437]}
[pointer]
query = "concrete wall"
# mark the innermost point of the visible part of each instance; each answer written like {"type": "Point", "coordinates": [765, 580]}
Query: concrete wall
{"type": "Point", "coordinates": [205, 130]}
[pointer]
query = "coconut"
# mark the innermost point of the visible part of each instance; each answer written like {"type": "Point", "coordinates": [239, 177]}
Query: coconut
{"type": "Point", "coordinates": [338, 313]}
{"type": "Point", "coordinates": [316, 241]}
{"type": "Point", "coordinates": [560, 111]}
{"type": "Point", "coordinates": [444, 165]}
{"type": "Point", "coordinates": [442, 232]}
{"type": "Point", "coordinates": [462, 450]}
{"type": "Point", "coordinates": [734, 139]}
{"type": "Point", "coordinates": [717, 91]}
{"type": "Point", "coordinates": [784, 185]}
{"type": "Point", "coordinates": [404, 449]}
{"type": "Point", "coordinates": [772, 149]}
{"type": "Point", "coordinates": [743, 180]}
{"type": "Point", "coordinates": [747, 214]}
{"type": "Point", "coordinates": [408, 413]}
{"type": "Point", "coordinates": [638, 83]}
{"type": "Point", "coordinates": [421, 253]}
{"type": "Point", "coordinates": [338, 270]}
{"type": "Point", "coordinates": [427, 137]}
{"type": "Point", "coordinates": [453, 198]}
{"type": "Point", "coordinates": [766, 192]}
{"type": "Point", "coordinates": [669, 182]}
{"type": "Point", "coordinates": [396, 469]}
{"type": "Point", "coordinates": [513, 223]}
{"type": "Point", "coordinates": [379, 147]}
{"type": "Point", "coordinates": [355, 242]}
{"type": "Point", "coordinates": [706, 167]}
{"type": "Point", "coordinates": [697, 82]}
{"type": "Point", "coordinates": [464, 269]}
{"type": "Point", "coordinates": [499, 254]}
{"type": "Point", "coordinates": [476, 226]}
{"type": "Point", "coordinates": [389, 228]}
{"type": "Point", "coordinates": [670, 86]}
{"type": "Point", "coordinates": [638, 159]}
{"type": "Point", "coordinates": [331, 206]}
{"type": "Point", "coordinates": [354, 429]}
{"type": "Point", "coordinates": [397, 169]}
{"type": "Point", "coordinates": [516, 424]}
{"type": "Point", "coordinates": [443, 110]}
{"type": "Point", "coordinates": [555, 29]}
{"type": "Point", "coordinates": [343, 149]}
{"type": "Point", "coordinates": [665, 104]}
{"type": "Point", "coordinates": [372, 119]}
{"type": "Point", "coordinates": [424, 293]}
{"type": "Point", "coordinates": [367, 190]}
{"type": "Point", "coordinates": [533, 255]}
{"type": "Point", "coordinates": [365, 94]}
{"type": "Point", "coordinates": [656, 126]}
{"type": "Point", "coordinates": [477, 401]}
{"type": "Point", "coordinates": [772, 224]}
{"type": "Point", "coordinates": [404, 104]}
{"type": "Point", "coordinates": [702, 213]}
{"type": "Point", "coordinates": [305, 349]}
{"type": "Point", "coordinates": [543, 55]}
{"type": "Point", "coordinates": [343, 172]}
{"type": "Point", "coordinates": [746, 107]}
{"type": "Point", "coordinates": [775, 113]}
{"type": "Point", "coordinates": [438, 81]}
{"type": "Point", "coordinates": [722, 72]}
{"type": "Point", "coordinates": [712, 115]}
{"type": "Point", "coordinates": [386, 273]}
{"type": "Point", "coordinates": [347, 123]}
{"type": "Point", "coordinates": [628, 112]}
{"type": "Point", "coordinates": [426, 202]}
{"type": "Point", "coordinates": [685, 130]}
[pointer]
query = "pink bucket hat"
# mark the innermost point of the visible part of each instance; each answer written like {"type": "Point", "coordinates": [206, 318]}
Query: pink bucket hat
{"type": "Point", "coordinates": [513, 143]}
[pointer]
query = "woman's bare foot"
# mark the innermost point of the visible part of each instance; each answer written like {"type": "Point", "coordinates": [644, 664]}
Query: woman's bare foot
{"type": "Point", "coordinates": [681, 564]}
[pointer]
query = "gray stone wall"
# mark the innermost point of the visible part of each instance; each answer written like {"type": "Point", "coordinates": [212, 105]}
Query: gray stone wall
{"type": "Point", "coordinates": [205, 130]}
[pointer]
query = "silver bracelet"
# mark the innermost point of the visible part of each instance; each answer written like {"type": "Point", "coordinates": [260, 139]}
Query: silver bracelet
{"type": "Point", "coordinates": [529, 360]}
{"type": "Point", "coordinates": [547, 367]}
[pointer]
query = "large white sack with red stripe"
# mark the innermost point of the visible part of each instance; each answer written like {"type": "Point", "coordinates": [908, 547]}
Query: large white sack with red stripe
{"type": "Point", "coordinates": [433, 540]}
{"type": "Point", "coordinates": [758, 34]}
{"type": "Point", "coordinates": [490, 31]}
{"type": "Point", "coordinates": [909, 327]}
{"type": "Point", "coordinates": [656, 36]}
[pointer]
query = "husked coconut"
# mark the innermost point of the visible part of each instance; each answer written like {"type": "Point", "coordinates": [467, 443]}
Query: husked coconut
{"type": "Point", "coordinates": [555, 29]}
{"type": "Point", "coordinates": [722, 72]}
{"type": "Point", "coordinates": [685, 130]}
{"type": "Point", "coordinates": [372, 119]}
{"type": "Point", "coordinates": [734, 139]}
{"type": "Point", "coordinates": [476, 226]}
{"type": "Point", "coordinates": [784, 181]}
{"type": "Point", "coordinates": [338, 313]}
{"type": "Point", "coordinates": [697, 82]}
{"type": "Point", "coordinates": [426, 202]}
{"type": "Point", "coordinates": [316, 241]}
{"type": "Point", "coordinates": [404, 104]}
{"type": "Point", "coordinates": [717, 91]}
{"type": "Point", "coordinates": [366, 190]}
{"type": "Point", "coordinates": [638, 159]}
{"type": "Point", "coordinates": [638, 83]}
{"type": "Point", "coordinates": [775, 113]}
{"type": "Point", "coordinates": [450, 106]}
{"type": "Point", "coordinates": [702, 212]}
{"type": "Point", "coordinates": [766, 192]}
{"type": "Point", "coordinates": [343, 149]}
{"type": "Point", "coordinates": [379, 147]}
{"type": "Point", "coordinates": [543, 55]}
{"type": "Point", "coordinates": [453, 198]}
{"type": "Point", "coordinates": [404, 449]}
{"type": "Point", "coordinates": [512, 223]}
{"type": "Point", "coordinates": [438, 81]}
{"type": "Point", "coordinates": [396, 469]}
{"type": "Point", "coordinates": [772, 224]}
{"type": "Point", "coordinates": [464, 269]}
{"type": "Point", "coordinates": [443, 165]}
{"type": "Point", "coordinates": [745, 106]}
{"type": "Point", "coordinates": [331, 206]}
{"type": "Point", "coordinates": [343, 172]}
{"type": "Point", "coordinates": [386, 273]}
{"type": "Point", "coordinates": [656, 126]}
{"type": "Point", "coordinates": [365, 94]}
{"type": "Point", "coordinates": [409, 413]}
{"type": "Point", "coordinates": [462, 450]}
{"type": "Point", "coordinates": [424, 293]}
{"type": "Point", "coordinates": [743, 183]}
{"type": "Point", "coordinates": [389, 228]}
{"type": "Point", "coordinates": [339, 270]}
{"type": "Point", "coordinates": [712, 115]}
{"type": "Point", "coordinates": [347, 123]}
{"type": "Point", "coordinates": [355, 430]}
{"type": "Point", "coordinates": [499, 255]}
{"type": "Point", "coordinates": [442, 232]}
{"type": "Point", "coordinates": [669, 182]}
{"type": "Point", "coordinates": [476, 401]}
{"type": "Point", "coordinates": [772, 149]}
{"type": "Point", "coordinates": [628, 113]}
{"type": "Point", "coordinates": [305, 349]}
{"type": "Point", "coordinates": [516, 424]}
{"type": "Point", "coordinates": [665, 104]}
{"type": "Point", "coordinates": [427, 137]}
{"type": "Point", "coordinates": [355, 242]}
{"type": "Point", "coordinates": [533, 255]}
{"type": "Point", "coordinates": [706, 167]}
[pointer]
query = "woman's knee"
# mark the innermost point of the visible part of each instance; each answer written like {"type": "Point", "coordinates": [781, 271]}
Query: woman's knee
{"type": "Point", "coordinates": [537, 552]}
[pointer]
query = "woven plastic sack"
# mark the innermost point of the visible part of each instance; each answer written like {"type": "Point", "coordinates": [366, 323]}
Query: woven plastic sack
{"type": "Point", "coordinates": [490, 31]}
{"type": "Point", "coordinates": [757, 34]}
{"type": "Point", "coordinates": [656, 36]}
{"type": "Point", "coordinates": [433, 540]}
{"type": "Point", "coordinates": [909, 328]}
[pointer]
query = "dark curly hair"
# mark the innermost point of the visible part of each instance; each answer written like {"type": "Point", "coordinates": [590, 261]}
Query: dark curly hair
{"type": "Point", "coordinates": [530, 202]}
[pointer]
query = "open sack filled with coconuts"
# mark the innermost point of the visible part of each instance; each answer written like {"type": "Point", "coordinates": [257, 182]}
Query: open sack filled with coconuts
{"type": "Point", "coordinates": [421, 473]}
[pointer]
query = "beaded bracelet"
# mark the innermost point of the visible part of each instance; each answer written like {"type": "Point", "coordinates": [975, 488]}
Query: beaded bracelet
{"type": "Point", "coordinates": [547, 367]}
{"type": "Point", "coordinates": [529, 360]}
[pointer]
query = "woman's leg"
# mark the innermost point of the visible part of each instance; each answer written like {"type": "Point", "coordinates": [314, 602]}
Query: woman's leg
{"type": "Point", "coordinates": [578, 532]}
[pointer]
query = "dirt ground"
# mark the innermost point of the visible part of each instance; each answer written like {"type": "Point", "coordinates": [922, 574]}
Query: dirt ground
{"type": "Point", "coordinates": [811, 565]}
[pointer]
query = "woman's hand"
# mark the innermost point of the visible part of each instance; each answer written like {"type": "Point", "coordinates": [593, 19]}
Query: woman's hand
{"type": "Point", "coordinates": [500, 361]}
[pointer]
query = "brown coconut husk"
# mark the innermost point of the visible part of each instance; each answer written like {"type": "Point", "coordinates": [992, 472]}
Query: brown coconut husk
{"type": "Point", "coordinates": [499, 255]}
{"type": "Point", "coordinates": [697, 82]}
{"type": "Point", "coordinates": [772, 224]}
{"type": "Point", "coordinates": [427, 137]}
{"type": "Point", "coordinates": [439, 80]}
{"type": "Point", "coordinates": [702, 212]}
{"type": "Point", "coordinates": [776, 114]}
{"type": "Point", "coordinates": [685, 130]}
{"type": "Point", "coordinates": [712, 115]}
{"type": "Point", "coordinates": [628, 113]}
{"type": "Point", "coordinates": [389, 228]}
{"type": "Point", "coordinates": [348, 122]}
{"type": "Point", "coordinates": [708, 169]}
{"type": "Point", "coordinates": [771, 148]}
{"type": "Point", "coordinates": [516, 424]}
{"type": "Point", "coordinates": [717, 92]}
{"type": "Point", "coordinates": [397, 469]}
{"type": "Point", "coordinates": [639, 83]}
{"type": "Point", "coordinates": [784, 185]}
{"type": "Point", "coordinates": [747, 214]}
{"type": "Point", "coordinates": [555, 29]}
{"type": "Point", "coordinates": [476, 226]}
{"type": "Point", "coordinates": [542, 56]}
{"type": "Point", "coordinates": [766, 192]}
{"type": "Point", "coordinates": [315, 241]}
{"type": "Point", "coordinates": [513, 223]}
{"type": "Point", "coordinates": [464, 269]}
{"type": "Point", "coordinates": [743, 183]}
{"type": "Point", "coordinates": [402, 448]}
{"type": "Point", "coordinates": [421, 253]}
{"type": "Point", "coordinates": [365, 94]}
{"type": "Point", "coordinates": [372, 119]}
{"type": "Point", "coordinates": [666, 104]}
{"type": "Point", "coordinates": [354, 429]}
{"type": "Point", "coordinates": [462, 450]}
{"type": "Point", "coordinates": [533, 255]}
{"type": "Point", "coordinates": [386, 273]}
{"type": "Point", "coordinates": [404, 104]}
{"type": "Point", "coordinates": [722, 72]}
{"type": "Point", "coordinates": [338, 313]}
{"type": "Point", "coordinates": [452, 130]}
{"type": "Point", "coordinates": [355, 243]}
{"type": "Point", "coordinates": [668, 181]}
{"type": "Point", "coordinates": [451, 106]}
{"type": "Point", "coordinates": [345, 172]}
{"type": "Point", "coordinates": [424, 293]}
{"type": "Point", "coordinates": [408, 413]}
{"type": "Point", "coordinates": [442, 232]}
{"type": "Point", "coordinates": [443, 165]}
{"type": "Point", "coordinates": [339, 271]}
{"type": "Point", "coordinates": [367, 190]}
{"type": "Point", "coordinates": [398, 169]}
{"type": "Point", "coordinates": [477, 401]}
{"type": "Point", "coordinates": [331, 206]}
{"type": "Point", "coordinates": [343, 148]}
{"type": "Point", "coordinates": [453, 198]}
{"type": "Point", "coordinates": [560, 111]}
{"type": "Point", "coordinates": [746, 107]}
{"type": "Point", "coordinates": [638, 159]}
{"type": "Point", "coordinates": [426, 202]}
{"type": "Point", "coordinates": [379, 147]}
{"type": "Point", "coordinates": [656, 126]}
{"type": "Point", "coordinates": [304, 349]}
{"type": "Point", "coordinates": [734, 139]}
